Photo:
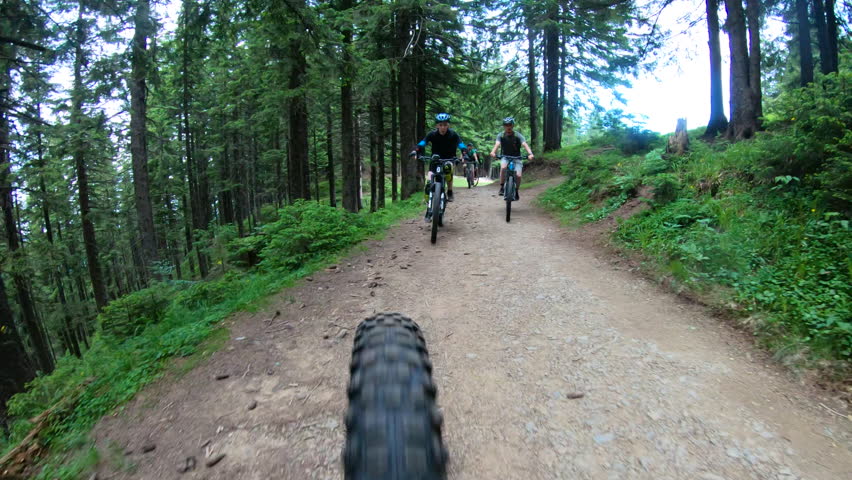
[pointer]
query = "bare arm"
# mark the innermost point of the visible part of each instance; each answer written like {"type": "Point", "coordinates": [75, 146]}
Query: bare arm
{"type": "Point", "coordinates": [529, 150]}
{"type": "Point", "coordinates": [494, 150]}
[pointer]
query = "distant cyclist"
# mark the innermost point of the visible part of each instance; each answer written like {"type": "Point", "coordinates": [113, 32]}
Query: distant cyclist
{"type": "Point", "coordinates": [510, 143]}
{"type": "Point", "coordinates": [472, 158]}
{"type": "Point", "coordinates": [445, 142]}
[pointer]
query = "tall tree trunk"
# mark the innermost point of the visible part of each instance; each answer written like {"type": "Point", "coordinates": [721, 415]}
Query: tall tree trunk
{"type": "Point", "coordinates": [718, 121]}
{"type": "Point", "coordinates": [359, 161]}
{"type": "Point", "coordinates": [819, 19]}
{"type": "Point", "coordinates": [831, 34]}
{"type": "Point", "coordinates": [819, 12]}
{"type": "Point", "coordinates": [563, 61]}
{"type": "Point", "coordinates": [314, 156]}
{"type": "Point", "coordinates": [279, 167]}
{"type": "Point", "coordinates": [411, 182]}
{"type": "Point", "coordinates": [754, 56]}
{"type": "Point", "coordinates": [551, 83]}
{"type": "Point", "coordinates": [374, 139]}
{"type": "Point", "coordinates": [806, 55]}
{"type": "Point", "coordinates": [545, 69]}
{"type": "Point", "coordinates": [329, 153]}
{"type": "Point", "coordinates": [17, 368]}
{"type": "Point", "coordinates": [78, 148]}
{"type": "Point", "coordinates": [374, 172]}
{"type": "Point", "coordinates": [197, 191]}
{"type": "Point", "coordinates": [298, 171]}
{"type": "Point", "coordinates": [532, 85]}
{"type": "Point", "coordinates": [380, 153]}
{"type": "Point", "coordinates": [395, 150]}
{"type": "Point", "coordinates": [139, 134]}
{"type": "Point", "coordinates": [349, 164]}
{"type": "Point", "coordinates": [743, 118]}
{"type": "Point", "coordinates": [377, 148]}
{"type": "Point", "coordinates": [16, 256]}
{"type": "Point", "coordinates": [420, 127]}
{"type": "Point", "coordinates": [74, 347]}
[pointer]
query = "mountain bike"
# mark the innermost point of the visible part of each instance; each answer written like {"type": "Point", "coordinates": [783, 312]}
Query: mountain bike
{"type": "Point", "coordinates": [393, 426]}
{"type": "Point", "coordinates": [510, 188]}
{"type": "Point", "coordinates": [438, 191]}
{"type": "Point", "coordinates": [471, 174]}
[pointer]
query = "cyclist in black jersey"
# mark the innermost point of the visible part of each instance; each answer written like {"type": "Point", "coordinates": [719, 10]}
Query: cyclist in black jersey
{"type": "Point", "coordinates": [445, 141]}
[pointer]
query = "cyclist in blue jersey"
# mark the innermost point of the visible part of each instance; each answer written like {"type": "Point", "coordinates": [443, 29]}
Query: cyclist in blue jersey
{"type": "Point", "coordinates": [445, 141]}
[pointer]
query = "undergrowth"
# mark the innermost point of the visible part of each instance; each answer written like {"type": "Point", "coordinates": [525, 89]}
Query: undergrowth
{"type": "Point", "coordinates": [140, 333]}
{"type": "Point", "coordinates": [762, 224]}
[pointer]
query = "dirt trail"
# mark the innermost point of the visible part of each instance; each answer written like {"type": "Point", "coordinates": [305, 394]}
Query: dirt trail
{"type": "Point", "coordinates": [518, 320]}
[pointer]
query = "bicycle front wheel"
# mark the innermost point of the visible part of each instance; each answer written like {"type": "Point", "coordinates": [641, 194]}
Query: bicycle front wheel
{"type": "Point", "coordinates": [436, 210]}
{"type": "Point", "coordinates": [509, 196]}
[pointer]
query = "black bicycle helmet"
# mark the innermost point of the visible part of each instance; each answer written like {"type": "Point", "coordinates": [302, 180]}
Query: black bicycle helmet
{"type": "Point", "coordinates": [508, 121]}
{"type": "Point", "coordinates": [442, 117]}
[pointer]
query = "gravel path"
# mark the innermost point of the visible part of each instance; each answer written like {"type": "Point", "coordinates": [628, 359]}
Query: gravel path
{"type": "Point", "coordinates": [551, 362]}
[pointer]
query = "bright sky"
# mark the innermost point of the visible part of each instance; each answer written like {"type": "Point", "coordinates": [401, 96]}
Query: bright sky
{"type": "Point", "coordinates": [678, 87]}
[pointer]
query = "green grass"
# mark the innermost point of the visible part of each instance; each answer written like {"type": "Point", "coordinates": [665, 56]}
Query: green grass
{"type": "Point", "coordinates": [534, 183]}
{"type": "Point", "coordinates": [182, 320]}
{"type": "Point", "coordinates": [770, 249]}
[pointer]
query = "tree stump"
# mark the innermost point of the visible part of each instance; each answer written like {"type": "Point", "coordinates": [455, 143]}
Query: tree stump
{"type": "Point", "coordinates": [679, 142]}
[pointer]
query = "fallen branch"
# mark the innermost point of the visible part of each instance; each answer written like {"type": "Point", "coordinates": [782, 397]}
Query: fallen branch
{"type": "Point", "coordinates": [17, 460]}
{"type": "Point", "coordinates": [847, 417]}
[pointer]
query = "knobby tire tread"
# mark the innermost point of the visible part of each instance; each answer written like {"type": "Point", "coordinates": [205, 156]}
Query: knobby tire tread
{"type": "Point", "coordinates": [436, 211]}
{"type": "Point", "coordinates": [509, 196]}
{"type": "Point", "coordinates": [393, 426]}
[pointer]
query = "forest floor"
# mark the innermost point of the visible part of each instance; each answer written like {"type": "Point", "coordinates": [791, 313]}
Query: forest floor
{"type": "Point", "coordinates": [552, 358]}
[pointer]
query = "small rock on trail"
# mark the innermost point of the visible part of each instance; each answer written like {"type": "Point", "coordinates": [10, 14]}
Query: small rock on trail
{"type": "Point", "coordinates": [214, 460]}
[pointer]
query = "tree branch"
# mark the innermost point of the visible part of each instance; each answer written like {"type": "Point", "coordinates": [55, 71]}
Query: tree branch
{"type": "Point", "coordinates": [23, 43]}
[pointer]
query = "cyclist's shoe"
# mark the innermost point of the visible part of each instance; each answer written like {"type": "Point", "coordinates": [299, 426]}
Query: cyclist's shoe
{"type": "Point", "coordinates": [501, 192]}
{"type": "Point", "coordinates": [517, 195]}
{"type": "Point", "coordinates": [428, 217]}
{"type": "Point", "coordinates": [450, 196]}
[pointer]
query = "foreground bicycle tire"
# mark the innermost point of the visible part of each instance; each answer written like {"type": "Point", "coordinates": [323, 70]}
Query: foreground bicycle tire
{"type": "Point", "coordinates": [393, 426]}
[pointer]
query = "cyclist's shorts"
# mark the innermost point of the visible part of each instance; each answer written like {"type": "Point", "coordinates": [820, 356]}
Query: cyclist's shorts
{"type": "Point", "coordinates": [519, 165]}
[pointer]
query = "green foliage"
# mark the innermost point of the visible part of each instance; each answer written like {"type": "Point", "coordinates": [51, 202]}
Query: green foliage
{"type": "Point", "coordinates": [306, 230]}
{"type": "Point", "coordinates": [818, 122]}
{"type": "Point", "coordinates": [130, 314]}
{"type": "Point", "coordinates": [144, 330]}
{"type": "Point", "coordinates": [666, 188]}
{"type": "Point", "coordinates": [629, 140]}
{"type": "Point", "coordinates": [752, 221]}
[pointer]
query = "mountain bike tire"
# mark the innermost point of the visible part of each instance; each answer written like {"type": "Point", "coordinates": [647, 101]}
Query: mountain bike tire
{"type": "Point", "coordinates": [436, 211]}
{"type": "Point", "coordinates": [509, 195]}
{"type": "Point", "coordinates": [393, 426]}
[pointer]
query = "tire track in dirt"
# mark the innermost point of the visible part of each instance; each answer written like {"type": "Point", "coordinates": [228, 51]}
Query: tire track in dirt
{"type": "Point", "coordinates": [519, 321]}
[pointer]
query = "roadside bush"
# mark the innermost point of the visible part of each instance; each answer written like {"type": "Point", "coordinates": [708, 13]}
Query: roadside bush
{"type": "Point", "coordinates": [307, 230]}
{"type": "Point", "coordinates": [666, 188]}
{"type": "Point", "coordinates": [130, 314]}
{"type": "Point", "coordinates": [818, 121]}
